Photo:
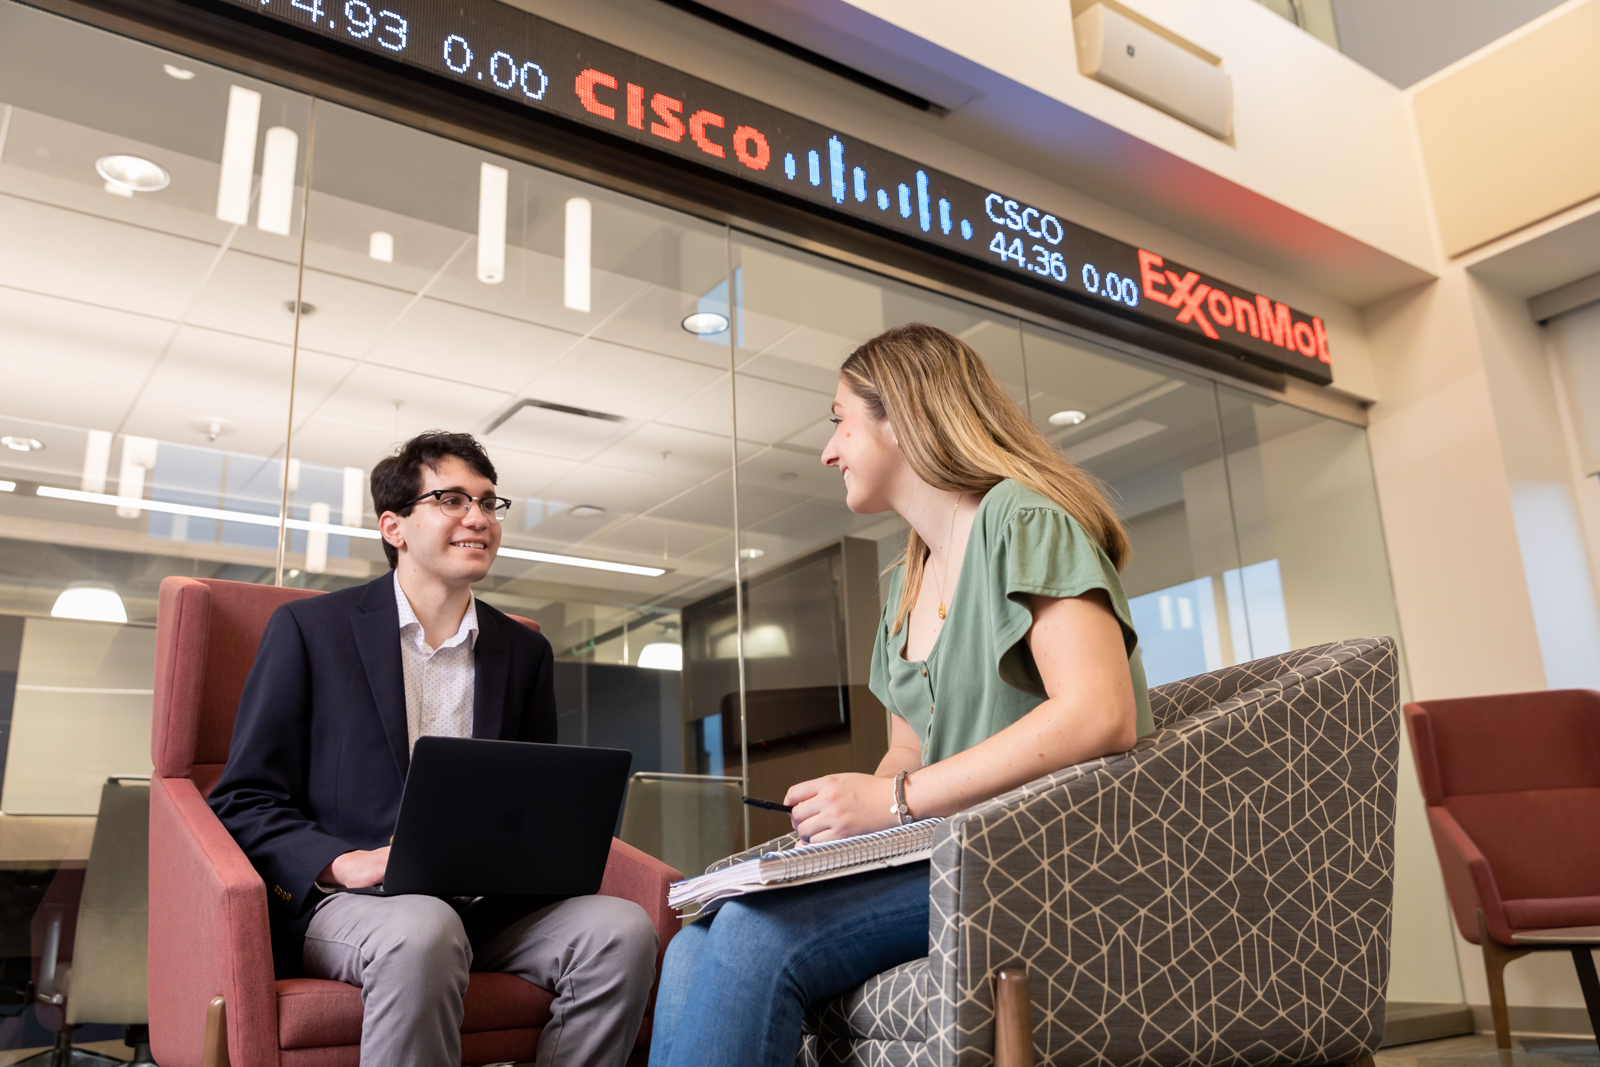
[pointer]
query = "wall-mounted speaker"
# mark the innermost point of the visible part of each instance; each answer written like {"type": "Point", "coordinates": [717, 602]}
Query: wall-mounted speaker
{"type": "Point", "coordinates": [1135, 59]}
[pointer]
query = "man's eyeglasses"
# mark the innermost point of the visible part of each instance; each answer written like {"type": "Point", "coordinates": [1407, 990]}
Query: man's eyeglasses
{"type": "Point", "coordinates": [455, 505]}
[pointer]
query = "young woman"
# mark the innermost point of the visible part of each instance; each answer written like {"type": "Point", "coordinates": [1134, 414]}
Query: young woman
{"type": "Point", "coordinates": [1005, 652]}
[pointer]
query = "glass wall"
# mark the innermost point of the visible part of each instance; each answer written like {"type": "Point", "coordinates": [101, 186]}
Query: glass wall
{"type": "Point", "coordinates": [221, 303]}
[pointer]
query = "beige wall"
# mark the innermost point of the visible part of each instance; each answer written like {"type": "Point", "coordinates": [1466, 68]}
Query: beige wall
{"type": "Point", "coordinates": [1481, 505]}
{"type": "Point", "coordinates": [1511, 135]}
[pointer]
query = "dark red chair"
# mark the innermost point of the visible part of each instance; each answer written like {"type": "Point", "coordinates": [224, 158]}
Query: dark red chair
{"type": "Point", "coordinates": [1512, 785]}
{"type": "Point", "coordinates": [213, 999]}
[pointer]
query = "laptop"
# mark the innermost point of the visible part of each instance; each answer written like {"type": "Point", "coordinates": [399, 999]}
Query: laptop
{"type": "Point", "coordinates": [504, 818]}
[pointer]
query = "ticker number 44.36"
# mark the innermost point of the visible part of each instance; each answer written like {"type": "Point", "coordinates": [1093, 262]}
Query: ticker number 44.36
{"type": "Point", "coordinates": [1050, 264]}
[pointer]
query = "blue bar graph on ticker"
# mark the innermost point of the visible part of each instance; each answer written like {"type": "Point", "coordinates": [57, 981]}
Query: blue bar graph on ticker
{"type": "Point", "coordinates": [816, 166]}
{"type": "Point", "coordinates": [944, 215]}
{"type": "Point", "coordinates": [924, 218]}
{"type": "Point", "coordinates": [788, 165]}
{"type": "Point", "coordinates": [905, 201]}
{"type": "Point", "coordinates": [861, 186]}
{"type": "Point", "coordinates": [836, 168]}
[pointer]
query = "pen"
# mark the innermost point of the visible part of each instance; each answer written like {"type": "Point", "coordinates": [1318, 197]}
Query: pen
{"type": "Point", "coordinates": [768, 805]}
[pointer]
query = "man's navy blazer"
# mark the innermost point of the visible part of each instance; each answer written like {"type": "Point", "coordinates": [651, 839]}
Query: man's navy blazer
{"type": "Point", "coordinates": [320, 748]}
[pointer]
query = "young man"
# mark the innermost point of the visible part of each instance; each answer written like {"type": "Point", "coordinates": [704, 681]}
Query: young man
{"type": "Point", "coordinates": [342, 687]}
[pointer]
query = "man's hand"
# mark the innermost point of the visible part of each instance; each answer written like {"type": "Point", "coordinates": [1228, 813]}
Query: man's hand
{"type": "Point", "coordinates": [841, 805]}
{"type": "Point", "coordinates": [356, 870]}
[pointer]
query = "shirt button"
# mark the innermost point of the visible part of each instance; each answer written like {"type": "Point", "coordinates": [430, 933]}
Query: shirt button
{"type": "Point", "coordinates": [924, 672]}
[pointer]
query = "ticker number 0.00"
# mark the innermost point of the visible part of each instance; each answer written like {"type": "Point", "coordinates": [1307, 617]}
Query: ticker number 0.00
{"type": "Point", "coordinates": [1122, 290]}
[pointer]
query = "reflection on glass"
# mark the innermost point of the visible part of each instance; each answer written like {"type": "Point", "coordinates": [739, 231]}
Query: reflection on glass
{"type": "Point", "coordinates": [149, 249]}
{"type": "Point", "coordinates": [466, 291]}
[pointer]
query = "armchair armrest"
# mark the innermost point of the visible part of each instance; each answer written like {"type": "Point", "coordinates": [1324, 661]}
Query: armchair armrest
{"type": "Point", "coordinates": [1224, 887]}
{"type": "Point", "coordinates": [1468, 881]}
{"type": "Point", "coordinates": [638, 876]}
{"type": "Point", "coordinates": [209, 935]}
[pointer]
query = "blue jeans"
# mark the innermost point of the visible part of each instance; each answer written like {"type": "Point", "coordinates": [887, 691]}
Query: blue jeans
{"type": "Point", "coordinates": [735, 986]}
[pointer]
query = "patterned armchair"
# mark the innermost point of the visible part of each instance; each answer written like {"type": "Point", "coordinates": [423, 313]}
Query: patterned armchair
{"type": "Point", "coordinates": [1219, 896]}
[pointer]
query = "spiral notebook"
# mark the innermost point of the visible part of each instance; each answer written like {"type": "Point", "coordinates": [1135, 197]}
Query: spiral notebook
{"type": "Point", "coordinates": [807, 863]}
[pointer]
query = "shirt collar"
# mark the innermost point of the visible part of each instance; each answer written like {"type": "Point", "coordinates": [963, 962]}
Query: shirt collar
{"type": "Point", "coordinates": [467, 631]}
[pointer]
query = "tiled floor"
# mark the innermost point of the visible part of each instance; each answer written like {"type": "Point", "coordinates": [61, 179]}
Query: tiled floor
{"type": "Point", "coordinates": [1479, 1050]}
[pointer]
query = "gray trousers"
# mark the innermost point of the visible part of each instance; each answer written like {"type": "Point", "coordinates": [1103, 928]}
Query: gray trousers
{"type": "Point", "coordinates": [411, 956]}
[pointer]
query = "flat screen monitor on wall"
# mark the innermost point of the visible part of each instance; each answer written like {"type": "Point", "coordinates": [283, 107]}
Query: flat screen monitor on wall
{"type": "Point", "coordinates": [795, 658]}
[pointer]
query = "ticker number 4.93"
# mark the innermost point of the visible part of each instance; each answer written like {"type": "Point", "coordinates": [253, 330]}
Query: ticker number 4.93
{"type": "Point", "coordinates": [1050, 264]}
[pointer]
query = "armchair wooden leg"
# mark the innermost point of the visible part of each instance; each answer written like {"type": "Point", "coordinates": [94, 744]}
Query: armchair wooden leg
{"type": "Point", "coordinates": [1013, 1018]}
{"type": "Point", "coordinates": [1583, 958]}
{"type": "Point", "coordinates": [1365, 1061]}
{"type": "Point", "coordinates": [1495, 958]}
{"type": "Point", "coordinates": [214, 1053]}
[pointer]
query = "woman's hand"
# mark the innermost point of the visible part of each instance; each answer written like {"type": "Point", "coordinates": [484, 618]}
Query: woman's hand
{"type": "Point", "coordinates": [841, 805]}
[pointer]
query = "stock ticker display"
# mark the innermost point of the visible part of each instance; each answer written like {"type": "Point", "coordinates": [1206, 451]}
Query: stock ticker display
{"type": "Point", "coordinates": [519, 57]}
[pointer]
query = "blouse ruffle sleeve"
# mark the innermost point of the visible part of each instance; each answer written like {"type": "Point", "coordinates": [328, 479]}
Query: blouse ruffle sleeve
{"type": "Point", "coordinates": [878, 679]}
{"type": "Point", "coordinates": [1044, 552]}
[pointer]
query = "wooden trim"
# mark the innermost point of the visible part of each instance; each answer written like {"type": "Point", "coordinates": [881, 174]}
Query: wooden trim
{"type": "Point", "coordinates": [1013, 1018]}
{"type": "Point", "coordinates": [215, 1050]}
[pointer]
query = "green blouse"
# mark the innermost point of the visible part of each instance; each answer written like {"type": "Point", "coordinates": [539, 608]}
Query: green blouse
{"type": "Point", "coordinates": [980, 676]}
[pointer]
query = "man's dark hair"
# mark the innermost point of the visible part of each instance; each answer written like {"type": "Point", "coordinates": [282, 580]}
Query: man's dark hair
{"type": "Point", "coordinates": [397, 479]}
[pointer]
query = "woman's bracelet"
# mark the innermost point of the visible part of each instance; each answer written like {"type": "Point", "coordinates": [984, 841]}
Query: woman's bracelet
{"type": "Point", "coordinates": [899, 807]}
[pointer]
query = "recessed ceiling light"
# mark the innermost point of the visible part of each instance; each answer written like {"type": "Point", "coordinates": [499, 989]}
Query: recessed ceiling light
{"type": "Point", "coordinates": [787, 476]}
{"type": "Point", "coordinates": [7, 487]}
{"type": "Point", "coordinates": [177, 72]}
{"type": "Point", "coordinates": [22, 444]}
{"type": "Point", "coordinates": [306, 310]}
{"type": "Point", "coordinates": [1067, 418]}
{"type": "Point", "coordinates": [587, 512]}
{"type": "Point", "coordinates": [380, 246]}
{"type": "Point", "coordinates": [752, 553]}
{"type": "Point", "coordinates": [704, 323]}
{"type": "Point", "coordinates": [132, 172]}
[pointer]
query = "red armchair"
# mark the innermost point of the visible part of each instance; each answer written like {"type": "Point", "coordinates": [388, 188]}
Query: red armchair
{"type": "Point", "coordinates": [213, 999]}
{"type": "Point", "coordinates": [1512, 785]}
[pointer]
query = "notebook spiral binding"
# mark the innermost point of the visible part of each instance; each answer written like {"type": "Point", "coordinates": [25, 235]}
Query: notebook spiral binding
{"type": "Point", "coordinates": [803, 861]}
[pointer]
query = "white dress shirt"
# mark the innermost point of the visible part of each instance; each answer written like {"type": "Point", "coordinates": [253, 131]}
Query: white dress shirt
{"type": "Point", "coordinates": [439, 681]}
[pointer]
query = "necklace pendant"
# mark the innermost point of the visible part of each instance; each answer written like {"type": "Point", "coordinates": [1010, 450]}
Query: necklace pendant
{"type": "Point", "coordinates": [941, 609]}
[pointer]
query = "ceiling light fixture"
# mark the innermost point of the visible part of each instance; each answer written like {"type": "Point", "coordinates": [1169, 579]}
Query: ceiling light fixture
{"type": "Point", "coordinates": [278, 158]}
{"type": "Point", "coordinates": [1067, 418]}
{"type": "Point", "coordinates": [704, 323]}
{"type": "Point", "coordinates": [166, 508]}
{"type": "Point", "coordinates": [132, 174]}
{"type": "Point", "coordinates": [178, 72]}
{"type": "Point", "coordinates": [380, 246]}
{"type": "Point", "coordinates": [581, 561]}
{"type": "Point", "coordinates": [662, 656]}
{"type": "Point", "coordinates": [575, 278]}
{"type": "Point", "coordinates": [238, 155]}
{"type": "Point", "coordinates": [7, 487]}
{"type": "Point", "coordinates": [22, 444]}
{"type": "Point", "coordinates": [492, 184]}
{"type": "Point", "coordinates": [90, 601]}
{"type": "Point", "coordinates": [752, 553]}
{"type": "Point", "coordinates": [587, 512]}
{"type": "Point", "coordinates": [306, 310]}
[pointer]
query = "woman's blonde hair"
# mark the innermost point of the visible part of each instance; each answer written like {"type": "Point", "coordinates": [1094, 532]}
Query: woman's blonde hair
{"type": "Point", "coordinates": [961, 432]}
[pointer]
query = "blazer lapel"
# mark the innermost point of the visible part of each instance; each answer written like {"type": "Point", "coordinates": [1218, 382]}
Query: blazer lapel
{"type": "Point", "coordinates": [491, 665]}
{"type": "Point", "coordinates": [377, 633]}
